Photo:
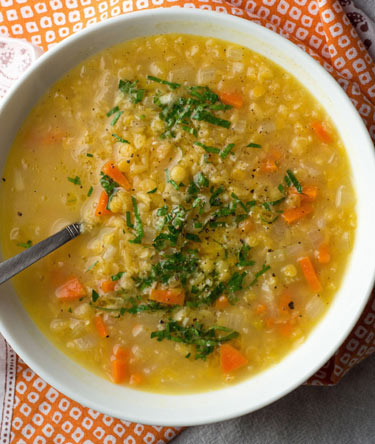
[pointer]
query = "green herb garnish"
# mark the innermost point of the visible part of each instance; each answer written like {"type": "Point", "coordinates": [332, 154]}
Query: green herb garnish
{"type": "Point", "coordinates": [120, 139]}
{"type": "Point", "coordinates": [243, 257]}
{"type": "Point", "coordinates": [254, 145]}
{"type": "Point", "coordinates": [193, 237]}
{"type": "Point", "coordinates": [208, 149]}
{"type": "Point", "coordinates": [292, 179]}
{"type": "Point", "coordinates": [113, 111]}
{"type": "Point", "coordinates": [172, 182]}
{"type": "Point", "coordinates": [164, 82]}
{"type": "Point", "coordinates": [204, 339]}
{"type": "Point", "coordinates": [138, 224]}
{"type": "Point", "coordinates": [128, 87]}
{"type": "Point", "coordinates": [152, 191]}
{"type": "Point", "coordinates": [118, 276]}
{"type": "Point", "coordinates": [116, 117]}
{"type": "Point", "coordinates": [91, 189]}
{"type": "Point", "coordinates": [76, 180]}
{"type": "Point", "coordinates": [26, 244]}
{"type": "Point", "coordinates": [259, 273]}
{"type": "Point", "coordinates": [226, 150]}
{"type": "Point", "coordinates": [89, 155]}
{"type": "Point", "coordinates": [94, 296]}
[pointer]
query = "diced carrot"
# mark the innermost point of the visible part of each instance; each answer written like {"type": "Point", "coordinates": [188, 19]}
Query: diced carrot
{"type": "Point", "coordinates": [119, 370]}
{"type": "Point", "coordinates": [291, 215]}
{"type": "Point", "coordinates": [120, 352]}
{"type": "Point", "coordinates": [321, 132]}
{"type": "Point", "coordinates": [310, 274]}
{"type": "Point", "coordinates": [171, 296]}
{"type": "Point", "coordinates": [135, 379]}
{"type": "Point", "coordinates": [286, 328]}
{"type": "Point", "coordinates": [260, 308]}
{"type": "Point", "coordinates": [268, 166]}
{"type": "Point", "coordinates": [221, 302]}
{"type": "Point", "coordinates": [234, 99]}
{"type": "Point", "coordinates": [285, 300]}
{"type": "Point", "coordinates": [231, 359]}
{"type": "Point", "coordinates": [100, 326]}
{"type": "Point", "coordinates": [114, 173]}
{"type": "Point", "coordinates": [309, 193]}
{"type": "Point", "coordinates": [108, 286]}
{"type": "Point", "coordinates": [72, 289]}
{"type": "Point", "coordinates": [323, 255]}
{"type": "Point", "coordinates": [101, 208]}
{"type": "Point", "coordinates": [246, 225]}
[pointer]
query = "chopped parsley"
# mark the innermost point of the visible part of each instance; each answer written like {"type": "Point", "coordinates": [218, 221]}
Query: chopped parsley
{"type": "Point", "coordinates": [89, 155]}
{"type": "Point", "coordinates": [138, 227]}
{"type": "Point", "coordinates": [116, 117]}
{"type": "Point", "coordinates": [26, 244]}
{"type": "Point", "coordinates": [236, 281]}
{"type": "Point", "coordinates": [118, 276]}
{"type": "Point", "coordinates": [223, 154]}
{"type": "Point", "coordinates": [113, 111]}
{"type": "Point", "coordinates": [94, 296]}
{"type": "Point", "coordinates": [91, 189]}
{"type": "Point", "coordinates": [193, 237]}
{"type": "Point", "coordinates": [243, 257]}
{"type": "Point", "coordinates": [108, 184]}
{"type": "Point", "coordinates": [131, 88]}
{"type": "Point", "coordinates": [172, 182]}
{"type": "Point", "coordinates": [120, 139]}
{"type": "Point", "coordinates": [208, 149]}
{"type": "Point", "coordinates": [205, 340]}
{"type": "Point", "coordinates": [164, 82]}
{"type": "Point", "coordinates": [292, 179]}
{"type": "Point", "coordinates": [76, 180]}
{"type": "Point", "coordinates": [152, 191]}
{"type": "Point", "coordinates": [259, 273]}
{"type": "Point", "coordinates": [254, 145]}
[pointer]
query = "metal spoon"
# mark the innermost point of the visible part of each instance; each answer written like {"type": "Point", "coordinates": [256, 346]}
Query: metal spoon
{"type": "Point", "coordinates": [17, 263]}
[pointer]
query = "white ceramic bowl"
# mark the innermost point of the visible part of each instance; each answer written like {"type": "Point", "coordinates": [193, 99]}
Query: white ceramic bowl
{"type": "Point", "coordinates": [123, 402]}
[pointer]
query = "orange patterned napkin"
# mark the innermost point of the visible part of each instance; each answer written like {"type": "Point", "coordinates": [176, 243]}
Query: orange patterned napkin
{"type": "Point", "coordinates": [323, 29]}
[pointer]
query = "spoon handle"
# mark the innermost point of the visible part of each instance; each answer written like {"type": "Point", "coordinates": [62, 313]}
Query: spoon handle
{"type": "Point", "coordinates": [20, 261]}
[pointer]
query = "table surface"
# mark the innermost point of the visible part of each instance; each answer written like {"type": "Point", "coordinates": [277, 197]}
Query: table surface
{"type": "Point", "coordinates": [341, 414]}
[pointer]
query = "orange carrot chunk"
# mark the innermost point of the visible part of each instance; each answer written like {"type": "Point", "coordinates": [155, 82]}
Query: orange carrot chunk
{"type": "Point", "coordinates": [231, 359]}
{"type": "Point", "coordinates": [234, 99]}
{"type": "Point", "coordinates": [120, 352]}
{"type": "Point", "coordinates": [321, 132]}
{"type": "Point", "coordinates": [260, 308]}
{"type": "Point", "coordinates": [286, 328]}
{"type": "Point", "coordinates": [114, 173]}
{"type": "Point", "coordinates": [286, 303]}
{"type": "Point", "coordinates": [108, 286]}
{"type": "Point", "coordinates": [323, 255]}
{"type": "Point", "coordinates": [309, 193]}
{"type": "Point", "coordinates": [119, 370]}
{"type": "Point", "coordinates": [221, 302]}
{"type": "Point", "coordinates": [293, 214]}
{"type": "Point", "coordinates": [268, 166]}
{"type": "Point", "coordinates": [100, 326]}
{"type": "Point", "coordinates": [72, 289]}
{"type": "Point", "coordinates": [171, 296]}
{"type": "Point", "coordinates": [101, 208]}
{"type": "Point", "coordinates": [310, 274]}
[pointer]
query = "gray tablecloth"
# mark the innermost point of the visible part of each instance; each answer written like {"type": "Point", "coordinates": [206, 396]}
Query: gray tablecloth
{"type": "Point", "coordinates": [344, 414]}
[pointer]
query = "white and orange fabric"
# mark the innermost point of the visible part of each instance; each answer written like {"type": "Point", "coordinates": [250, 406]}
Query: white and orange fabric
{"type": "Point", "coordinates": [34, 412]}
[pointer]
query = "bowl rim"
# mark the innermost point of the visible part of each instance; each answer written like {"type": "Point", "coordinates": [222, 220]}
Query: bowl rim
{"type": "Point", "coordinates": [241, 408]}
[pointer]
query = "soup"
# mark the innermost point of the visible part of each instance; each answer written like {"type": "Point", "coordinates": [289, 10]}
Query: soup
{"type": "Point", "coordinates": [216, 205]}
